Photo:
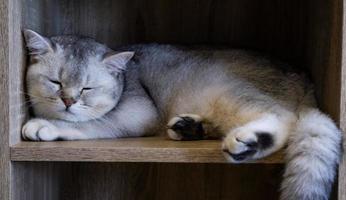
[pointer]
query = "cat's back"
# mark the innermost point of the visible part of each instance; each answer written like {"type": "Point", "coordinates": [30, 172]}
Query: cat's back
{"type": "Point", "coordinates": [172, 69]}
{"type": "Point", "coordinates": [165, 60]}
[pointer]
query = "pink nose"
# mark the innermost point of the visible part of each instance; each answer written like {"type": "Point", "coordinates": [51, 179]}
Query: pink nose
{"type": "Point", "coordinates": [68, 101]}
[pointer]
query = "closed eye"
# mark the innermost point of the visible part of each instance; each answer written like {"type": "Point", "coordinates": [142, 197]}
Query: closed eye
{"type": "Point", "coordinates": [86, 89]}
{"type": "Point", "coordinates": [55, 82]}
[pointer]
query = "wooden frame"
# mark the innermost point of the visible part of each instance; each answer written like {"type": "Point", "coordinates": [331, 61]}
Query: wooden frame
{"type": "Point", "coordinates": [314, 37]}
{"type": "Point", "coordinates": [342, 167]}
{"type": "Point", "coordinates": [5, 165]}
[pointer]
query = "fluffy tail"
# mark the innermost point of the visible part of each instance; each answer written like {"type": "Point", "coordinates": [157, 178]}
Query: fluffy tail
{"type": "Point", "coordinates": [313, 154]}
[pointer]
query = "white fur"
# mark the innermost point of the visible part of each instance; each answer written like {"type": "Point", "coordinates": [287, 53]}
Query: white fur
{"type": "Point", "coordinates": [235, 141]}
{"type": "Point", "coordinates": [312, 157]}
{"type": "Point", "coordinates": [173, 135]}
{"type": "Point", "coordinates": [43, 130]}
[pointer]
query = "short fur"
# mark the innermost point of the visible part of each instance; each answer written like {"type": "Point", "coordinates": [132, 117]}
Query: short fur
{"type": "Point", "coordinates": [255, 104]}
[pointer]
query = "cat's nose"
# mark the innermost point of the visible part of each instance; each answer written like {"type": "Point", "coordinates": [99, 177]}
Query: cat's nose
{"type": "Point", "coordinates": [68, 101]}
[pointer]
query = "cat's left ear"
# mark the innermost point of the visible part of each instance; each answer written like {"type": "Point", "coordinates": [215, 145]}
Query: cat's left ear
{"type": "Point", "coordinates": [36, 43]}
{"type": "Point", "coordinates": [118, 61]}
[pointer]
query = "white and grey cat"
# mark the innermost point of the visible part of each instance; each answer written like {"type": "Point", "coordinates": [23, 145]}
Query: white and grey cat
{"type": "Point", "coordinates": [80, 89]}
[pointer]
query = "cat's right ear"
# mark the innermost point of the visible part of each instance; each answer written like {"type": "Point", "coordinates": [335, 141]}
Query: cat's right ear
{"type": "Point", "coordinates": [37, 44]}
{"type": "Point", "coordinates": [117, 61]}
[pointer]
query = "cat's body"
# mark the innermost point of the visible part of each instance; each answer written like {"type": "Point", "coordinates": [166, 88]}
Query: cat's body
{"type": "Point", "coordinates": [228, 94]}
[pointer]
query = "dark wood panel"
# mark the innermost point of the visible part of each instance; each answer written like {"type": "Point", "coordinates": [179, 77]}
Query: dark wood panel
{"type": "Point", "coordinates": [323, 52]}
{"type": "Point", "coordinates": [34, 181]}
{"type": "Point", "coordinates": [109, 181]}
{"type": "Point", "coordinates": [304, 33]}
{"type": "Point", "coordinates": [277, 27]}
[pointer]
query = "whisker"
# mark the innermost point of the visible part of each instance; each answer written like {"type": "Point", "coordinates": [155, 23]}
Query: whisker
{"type": "Point", "coordinates": [27, 103]}
{"type": "Point", "coordinates": [32, 95]}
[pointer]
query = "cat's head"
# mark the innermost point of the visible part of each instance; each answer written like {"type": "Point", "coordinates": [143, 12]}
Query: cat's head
{"type": "Point", "coordinates": [73, 78]}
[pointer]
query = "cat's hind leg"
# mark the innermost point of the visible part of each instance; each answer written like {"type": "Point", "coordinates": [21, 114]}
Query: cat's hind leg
{"type": "Point", "coordinates": [258, 138]}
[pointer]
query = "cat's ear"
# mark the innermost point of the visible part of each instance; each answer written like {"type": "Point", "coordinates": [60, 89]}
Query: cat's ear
{"type": "Point", "coordinates": [36, 43]}
{"type": "Point", "coordinates": [118, 61]}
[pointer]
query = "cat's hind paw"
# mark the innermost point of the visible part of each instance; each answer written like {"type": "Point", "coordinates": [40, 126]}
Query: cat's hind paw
{"type": "Point", "coordinates": [39, 130]}
{"type": "Point", "coordinates": [244, 144]}
{"type": "Point", "coordinates": [186, 127]}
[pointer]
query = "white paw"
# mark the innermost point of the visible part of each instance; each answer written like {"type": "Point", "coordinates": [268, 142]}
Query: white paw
{"type": "Point", "coordinates": [40, 129]}
{"type": "Point", "coordinates": [174, 135]}
{"type": "Point", "coordinates": [246, 143]}
{"type": "Point", "coordinates": [236, 141]}
{"type": "Point", "coordinates": [185, 127]}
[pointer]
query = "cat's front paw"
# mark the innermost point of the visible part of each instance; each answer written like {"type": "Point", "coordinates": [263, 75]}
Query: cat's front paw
{"type": "Point", "coordinates": [244, 144]}
{"type": "Point", "coordinates": [40, 130]}
{"type": "Point", "coordinates": [185, 127]}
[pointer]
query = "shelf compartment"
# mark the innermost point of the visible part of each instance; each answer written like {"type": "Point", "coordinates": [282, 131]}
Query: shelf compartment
{"type": "Point", "coordinates": [148, 149]}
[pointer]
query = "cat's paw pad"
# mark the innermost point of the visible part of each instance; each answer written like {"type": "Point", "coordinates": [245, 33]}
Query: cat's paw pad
{"type": "Point", "coordinates": [185, 127]}
{"type": "Point", "coordinates": [39, 130]}
{"type": "Point", "coordinates": [243, 144]}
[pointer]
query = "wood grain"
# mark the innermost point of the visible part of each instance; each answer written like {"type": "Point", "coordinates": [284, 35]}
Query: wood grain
{"type": "Point", "coordinates": [277, 27]}
{"type": "Point", "coordinates": [146, 181]}
{"type": "Point", "coordinates": [304, 33]}
{"type": "Point", "coordinates": [150, 149]}
{"type": "Point", "coordinates": [17, 58]}
{"type": "Point", "coordinates": [322, 53]}
{"type": "Point", "coordinates": [4, 103]}
{"type": "Point", "coordinates": [342, 167]}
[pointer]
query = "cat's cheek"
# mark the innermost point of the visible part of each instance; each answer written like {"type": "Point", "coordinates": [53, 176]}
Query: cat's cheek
{"type": "Point", "coordinates": [103, 104]}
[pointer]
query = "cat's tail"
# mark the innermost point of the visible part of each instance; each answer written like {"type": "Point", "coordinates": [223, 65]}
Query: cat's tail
{"type": "Point", "coordinates": [313, 153]}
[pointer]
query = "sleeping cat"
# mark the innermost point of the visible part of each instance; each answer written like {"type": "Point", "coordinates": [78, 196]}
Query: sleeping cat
{"type": "Point", "coordinates": [80, 89]}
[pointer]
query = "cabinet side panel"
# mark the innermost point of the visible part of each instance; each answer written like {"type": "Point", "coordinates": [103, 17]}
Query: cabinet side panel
{"type": "Point", "coordinates": [4, 103]}
{"type": "Point", "coordinates": [17, 67]}
{"type": "Point", "coordinates": [323, 45]}
{"type": "Point", "coordinates": [342, 168]}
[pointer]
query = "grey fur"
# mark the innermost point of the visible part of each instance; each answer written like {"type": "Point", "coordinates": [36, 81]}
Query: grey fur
{"type": "Point", "coordinates": [233, 94]}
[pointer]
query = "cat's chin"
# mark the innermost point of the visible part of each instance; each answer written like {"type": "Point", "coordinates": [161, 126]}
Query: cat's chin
{"type": "Point", "coordinates": [71, 114]}
{"type": "Point", "coordinates": [68, 115]}
{"type": "Point", "coordinates": [64, 115]}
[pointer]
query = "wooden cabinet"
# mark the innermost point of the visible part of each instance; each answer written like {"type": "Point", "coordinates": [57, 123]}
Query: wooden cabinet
{"type": "Point", "coordinates": [307, 34]}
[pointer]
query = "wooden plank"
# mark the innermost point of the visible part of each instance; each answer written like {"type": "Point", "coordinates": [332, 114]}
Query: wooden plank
{"type": "Point", "coordinates": [150, 149]}
{"type": "Point", "coordinates": [4, 97]}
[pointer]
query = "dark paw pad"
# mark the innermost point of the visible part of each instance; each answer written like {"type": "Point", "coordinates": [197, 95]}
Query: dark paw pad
{"type": "Point", "coordinates": [243, 155]}
{"type": "Point", "coordinates": [265, 140]}
{"type": "Point", "coordinates": [188, 128]}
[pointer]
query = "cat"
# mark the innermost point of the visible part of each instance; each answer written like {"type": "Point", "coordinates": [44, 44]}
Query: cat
{"type": "Point", "coordinates": [80, 89]}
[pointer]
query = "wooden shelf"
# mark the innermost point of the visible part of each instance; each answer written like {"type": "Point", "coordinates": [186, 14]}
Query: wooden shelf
{"type": "Point", "coordinates": [149, 149]}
